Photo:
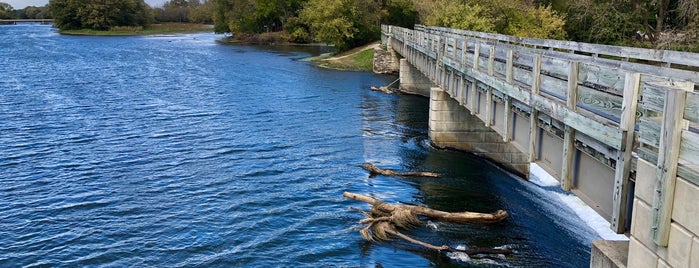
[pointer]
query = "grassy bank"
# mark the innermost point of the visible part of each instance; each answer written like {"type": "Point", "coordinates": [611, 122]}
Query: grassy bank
{"type": "Point", "coordinates": [269, 38]}
{"type": "Point", "coordinates": [164, 28]}
{"type": "Point", "coordinates": [358, 59]}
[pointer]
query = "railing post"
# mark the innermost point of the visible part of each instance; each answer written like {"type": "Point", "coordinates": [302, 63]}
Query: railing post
{"type": "Point", "coordinates": [462, 90]}
{"type": "Point", "coordinates": [456, 46]}
{"type": "Point", "coordinates": [438, 61]}
{"type": "Point", "coordinates": [464, 50]}
{"type": "Point", "coordinates": [569, 132]}
{"type": "Point", "coordinates": [673, 124]}
{"type": "Point", "coordinates": [572, 96]}
{"type": "Point", "coordinates": [476, 56]}
{"type": "Point", "coordinates": [510, 66]}
{"type": "Point", "coordinates": [536, 75]}
{"type": "Point", "coordinates": [472, 97]}
{"type": "Point", "coordinates": [489, 107]}
{"type": "Point", "coordinates": [507, 120]}
{"type": "Point", "coordinates": [533, 133]}
{"type": "Point", "coordinates": [623, 161]}
{"type": "Point", "coordinates": [534, 114]}
{"type": "Point", "coordinates": [491, 61]}
{"type": "Point", "coordinates": [568, 155]}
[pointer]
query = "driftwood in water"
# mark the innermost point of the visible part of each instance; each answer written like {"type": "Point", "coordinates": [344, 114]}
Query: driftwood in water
{"type": "Point", "coordinates": [382, 89]}
{"type": "Point", "coordinates": [469, 251]}
{"type": "Point", "coordinates": [387, 172]}
{"type": "Point", "coordinates": [462, 217]}
{"type": "Point", "coordinates": [386, 89]}
{"type": "Point", "coordinates": [385, 220]}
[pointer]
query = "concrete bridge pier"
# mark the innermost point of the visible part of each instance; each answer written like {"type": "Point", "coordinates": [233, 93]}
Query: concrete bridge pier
{"type": "Point", "coordinates": [453, 126]}
{"type": "Point", "coordinates": [412, 81]}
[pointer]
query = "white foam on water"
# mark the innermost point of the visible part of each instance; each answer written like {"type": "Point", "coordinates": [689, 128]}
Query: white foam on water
{"type": "Point", "coordinates": [431, 225]}
{"type": "Point", "coordinates": [590, 217]}
{"type": "Point", "coordinates": [539, 176]}
{"type": "Point", "coordinates": [459, 256]}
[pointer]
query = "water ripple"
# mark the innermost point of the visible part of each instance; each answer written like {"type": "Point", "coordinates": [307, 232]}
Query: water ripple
{"type": "Point", "coordinates": [176, 151]}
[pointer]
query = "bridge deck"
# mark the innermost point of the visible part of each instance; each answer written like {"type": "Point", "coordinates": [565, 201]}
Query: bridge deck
{"type": "Point", "coordinates": [613, 101]}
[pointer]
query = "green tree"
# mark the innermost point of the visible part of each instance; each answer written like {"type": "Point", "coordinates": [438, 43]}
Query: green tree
{"type": "Point", "coordinates": [522, 18]}
{"type": "Point", "coordinates": [254, 16]}
{"type": "Point", "coordinates": [6, 11]}
{"type": "Point", "coordinates": [99, 14]}
{"type": "Point", "coordinates": [31, 12]}
{"type": "Point", "coordinates": [512, 17]}
{"type": "Point", "coordinates": [174, 11]}
{"type": "Point", "coordinates": [235, 16]}
{"type": "Point", "coordinates": [456, 14]}
{"type": "Point", "coordinates": [659, 23]}
{"type": "Point", "coordinates": [400, 13]}
{"type": "Point", "coordinates": [201, 12]}
{"type": "Point", "coordinates": [343, 23]}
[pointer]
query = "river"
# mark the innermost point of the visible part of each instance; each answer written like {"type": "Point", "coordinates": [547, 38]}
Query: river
{"type": "Point", "coordinates": [179, 151]}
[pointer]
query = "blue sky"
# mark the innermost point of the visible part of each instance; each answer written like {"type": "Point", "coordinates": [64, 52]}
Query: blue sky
{"type": "Point", "coordinates": [20, 4]}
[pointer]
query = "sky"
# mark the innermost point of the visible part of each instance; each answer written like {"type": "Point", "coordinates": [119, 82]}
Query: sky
{"type": "Point", "coordinates": [20, 4]}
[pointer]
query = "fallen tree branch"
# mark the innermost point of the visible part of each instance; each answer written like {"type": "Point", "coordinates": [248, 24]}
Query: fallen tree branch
{"type": "Point", "coordinates": [470, 251]}
{"type": "Point", "coordinates": [385, 220]}
{"type": "Point", "coordinates": [382, 89]}
{"type": "Point", "coordinates": [461, 217]}
{"type": "Point", "coordinates": [387, 172]}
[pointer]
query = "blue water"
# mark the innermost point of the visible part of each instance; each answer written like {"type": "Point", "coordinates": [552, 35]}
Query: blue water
{"type": "Point", "coordinates": [178, 151]}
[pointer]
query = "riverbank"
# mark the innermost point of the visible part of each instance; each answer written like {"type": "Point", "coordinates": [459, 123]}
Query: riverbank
{"type": "Point", "coordinates": [359, 59]}
{"type": "Point", "coordinates": [269, 38]}
{"type": "Point", "coordinates": [162, 28]}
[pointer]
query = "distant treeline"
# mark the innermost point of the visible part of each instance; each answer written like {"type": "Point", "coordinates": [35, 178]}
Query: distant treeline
{"type": "Point", "coordinates": [31, 12]}
{"type": "Point", "coordinates": [666, 24]}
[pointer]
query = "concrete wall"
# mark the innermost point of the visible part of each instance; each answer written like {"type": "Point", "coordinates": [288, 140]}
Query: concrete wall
{"type": "Point", "coordinates": [683, 246]}
{"type": "Point", "coordinates": [412, 81]}
{"type": "Point", "coordinates": [452, 126]}
{"type": "Point", "coordinates": [609, 254]}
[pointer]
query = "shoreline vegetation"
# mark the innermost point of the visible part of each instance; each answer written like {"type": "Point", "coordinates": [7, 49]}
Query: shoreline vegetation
{"type": "Point", "coordinates": [359, 59]}
{"type": "Point", "coordinates": [153, 29]}
{"type": "Point", "coordinates": [663, 25]}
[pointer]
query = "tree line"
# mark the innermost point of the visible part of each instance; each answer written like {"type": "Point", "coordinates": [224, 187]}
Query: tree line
{"type": "Point", "coordinates": [30, 12]}
{"type": "Point", "coordinates": [105, 14]}
{"type": "Point", "coordinates": [666, 24]}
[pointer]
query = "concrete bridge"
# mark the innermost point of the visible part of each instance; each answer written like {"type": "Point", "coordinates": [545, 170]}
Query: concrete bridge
{"type": "Point", "coordinates": [617, 126]}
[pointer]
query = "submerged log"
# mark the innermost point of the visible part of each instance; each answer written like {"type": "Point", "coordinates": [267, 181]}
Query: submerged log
{"type": "Point", "coordinates": [459, 217]}
{"type": "Point", "coordinates": [387, 172]}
